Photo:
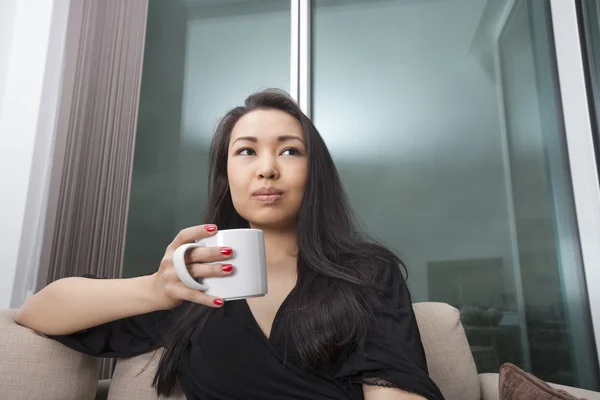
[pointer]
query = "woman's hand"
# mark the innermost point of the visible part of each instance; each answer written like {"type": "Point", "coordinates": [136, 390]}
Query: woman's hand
{"type": "Point", "coordinates": [202, 262]}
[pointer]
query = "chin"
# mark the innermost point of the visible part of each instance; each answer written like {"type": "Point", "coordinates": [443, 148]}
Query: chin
{"type": "Point", "coordinates": [270, 221]}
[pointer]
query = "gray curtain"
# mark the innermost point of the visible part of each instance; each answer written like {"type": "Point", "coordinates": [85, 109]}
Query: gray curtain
{"type": "Point", "coordinates": [87, 211]}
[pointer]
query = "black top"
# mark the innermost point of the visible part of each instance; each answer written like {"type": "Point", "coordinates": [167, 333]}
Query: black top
{"type": "Point", "coordinates": [239, 362]}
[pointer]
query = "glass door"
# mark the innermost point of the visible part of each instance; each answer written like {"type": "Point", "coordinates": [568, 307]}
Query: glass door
{"type": "Point", "coordinates": [202, 57]}
{"type": "Point", "coordinates": [589, 13]}
{"type": "Point", "coordinates": [460, 142]}
{"type": "Point", "coordinates": [554, 300]}
{"type": "Point", "coordinates": [445, 121]}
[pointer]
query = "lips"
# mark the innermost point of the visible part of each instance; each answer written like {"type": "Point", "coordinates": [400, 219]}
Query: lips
{"type": "Point", "coordinates": [267, 191]}
{"type": "Point", "coordinates": [267, 195]}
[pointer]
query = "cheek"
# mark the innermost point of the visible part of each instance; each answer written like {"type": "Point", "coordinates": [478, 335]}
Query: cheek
{"type": "Point", "coordinates": [235, 182]}
{"type": "Point", "coordinates": [302, 183]}
{"type": "Point", "coordinates": [299, 179]}
{"type": "Point", "coordinates": [239, 180]}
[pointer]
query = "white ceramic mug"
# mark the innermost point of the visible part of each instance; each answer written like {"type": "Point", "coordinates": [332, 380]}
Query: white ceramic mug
{"type": "Point", "coordinates": [249, 276]}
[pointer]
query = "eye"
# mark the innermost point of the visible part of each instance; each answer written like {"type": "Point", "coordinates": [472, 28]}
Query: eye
{"type": "Point", "coordinates": [246, 151]}
{"type": "Point", "coordinates": [291, 151]}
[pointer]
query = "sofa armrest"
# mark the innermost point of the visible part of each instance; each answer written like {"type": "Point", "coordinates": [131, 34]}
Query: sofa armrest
{"type": "Point", "coordinates": [489, 389]}
{"type": "Point", "coordinates": [35, 367]}
{"type": "Point", "coordinates": [489, 386]}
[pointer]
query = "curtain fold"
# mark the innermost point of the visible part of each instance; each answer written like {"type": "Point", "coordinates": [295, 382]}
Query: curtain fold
{"type": "Point", "coordinates": [87, 231]}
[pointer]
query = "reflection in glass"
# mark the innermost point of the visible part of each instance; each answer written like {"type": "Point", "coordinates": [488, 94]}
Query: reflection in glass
{"type": "Point", "coordinates": [443, 119]}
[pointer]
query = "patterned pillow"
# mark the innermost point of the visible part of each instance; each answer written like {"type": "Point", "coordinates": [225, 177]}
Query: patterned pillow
{"type": "Point", "coordinates": [516, 384]}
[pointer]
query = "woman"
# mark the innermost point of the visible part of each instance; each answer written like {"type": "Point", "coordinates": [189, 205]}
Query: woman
{"type": "Point", "coordinates": [337, 322]}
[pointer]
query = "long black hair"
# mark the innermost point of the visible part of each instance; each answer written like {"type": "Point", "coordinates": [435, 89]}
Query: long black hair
{"type": "Point", "coordinates": [330, 307]}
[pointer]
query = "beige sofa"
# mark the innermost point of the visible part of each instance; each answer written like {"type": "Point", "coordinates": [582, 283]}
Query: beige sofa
{"type": "Point", "coordinates": [33, 367]}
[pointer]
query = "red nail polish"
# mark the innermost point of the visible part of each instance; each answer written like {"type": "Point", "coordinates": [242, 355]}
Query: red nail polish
{"type": "Point", "coordinates": [227, 268]}
{"type": "Point", "coordinates": [218, 302]}
{"type": "Point", "coordinates": [226, 251]}
{"type": "Point", "coordinates": [210, 228]}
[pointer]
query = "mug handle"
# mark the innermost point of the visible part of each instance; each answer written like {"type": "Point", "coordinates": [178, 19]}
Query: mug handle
{"type": "Point", "coordinates": [181, 268]}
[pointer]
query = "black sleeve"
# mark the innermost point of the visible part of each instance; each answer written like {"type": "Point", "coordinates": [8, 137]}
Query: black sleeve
{"type": "Point", "coordinates": [393, 355]}
{"type": "Point", "coordinates": [125, 337]}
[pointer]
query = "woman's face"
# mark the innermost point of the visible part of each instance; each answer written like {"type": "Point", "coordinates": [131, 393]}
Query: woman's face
{"type": "Point", "coordinates": [267, 167]}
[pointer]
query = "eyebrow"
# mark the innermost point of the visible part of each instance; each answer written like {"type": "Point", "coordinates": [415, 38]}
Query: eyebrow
{"type": "Point", "coordinates": [282, 138]}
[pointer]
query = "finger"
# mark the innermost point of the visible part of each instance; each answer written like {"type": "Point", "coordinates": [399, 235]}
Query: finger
{"type": "Point", "coordinates": [208, 254]}
{"type": "Point", "coordinates": [179, 291]}
{"type": "Point", "coordinates": [190, 234]}
{"type": "Point", "coordinates": [210, 270]}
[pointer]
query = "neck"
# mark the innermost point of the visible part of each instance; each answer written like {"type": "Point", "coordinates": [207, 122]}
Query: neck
{"type": "Point", "coordinates": [281, 247]}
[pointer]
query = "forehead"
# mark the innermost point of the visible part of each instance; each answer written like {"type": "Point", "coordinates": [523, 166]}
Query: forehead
{"type": "Point", "coordinates": [266, 124]}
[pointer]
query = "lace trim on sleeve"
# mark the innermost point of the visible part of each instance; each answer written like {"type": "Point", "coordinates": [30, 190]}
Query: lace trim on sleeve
{"type": "Point", "coordinates": [383, 383]}
{"type": "Point", "coordinates": [375, 382]}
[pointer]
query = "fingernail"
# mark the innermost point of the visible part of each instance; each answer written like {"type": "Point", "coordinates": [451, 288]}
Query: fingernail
{"type": "Point", "coordinates": [218, 302]}
{"type": "Point", "coordinates": [226, 251]}
{"type": "Point", "coordinates": [210, 228]}
{"type": "Point", "coordinates": [227, 268]}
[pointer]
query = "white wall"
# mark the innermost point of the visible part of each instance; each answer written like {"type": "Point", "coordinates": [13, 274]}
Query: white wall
{"type": "Point", "coordinates": [32, 34]}
{"type": "Point", "coordinates": [8, 10]}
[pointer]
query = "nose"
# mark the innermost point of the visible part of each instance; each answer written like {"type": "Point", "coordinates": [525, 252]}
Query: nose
{"type": "Point", "coordinates": [268, 168]}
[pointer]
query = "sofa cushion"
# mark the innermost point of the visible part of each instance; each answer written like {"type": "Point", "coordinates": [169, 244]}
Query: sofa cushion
{"type": "Point", "coordinates": [489, 386]}
{"type": "Point", "coordinates": [133, 377]}
{"type": "Point", "coordinates": [449, 358]}
{"type": "Point", "coordinates": [577, 392]}
{"type": "Point", "coordinates": [35, 367]}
